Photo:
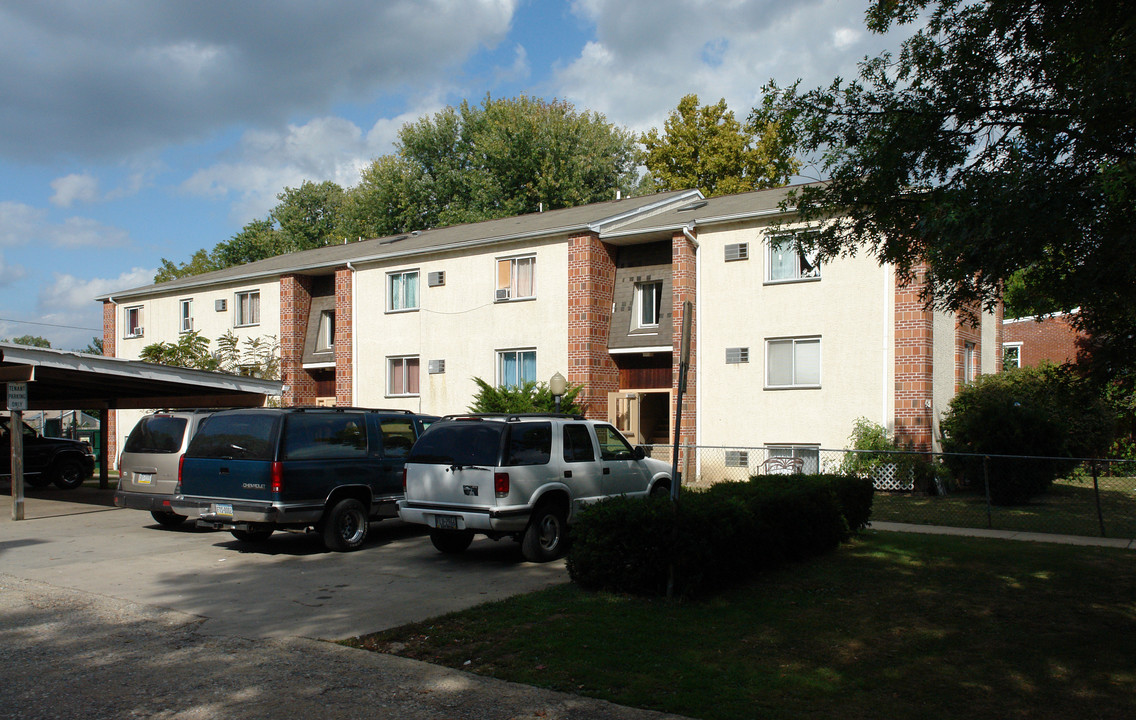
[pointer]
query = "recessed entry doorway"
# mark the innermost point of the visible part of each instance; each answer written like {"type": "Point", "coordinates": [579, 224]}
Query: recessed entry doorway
{"type": "Point", "coordinates": [643, 416]}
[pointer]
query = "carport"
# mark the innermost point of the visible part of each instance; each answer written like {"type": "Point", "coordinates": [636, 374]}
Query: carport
{"type": "Point", "coordinates": [45, 379]}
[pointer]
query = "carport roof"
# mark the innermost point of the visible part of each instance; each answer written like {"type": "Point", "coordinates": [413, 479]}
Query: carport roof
{"type": "Point", "coordinates": [61, 380]}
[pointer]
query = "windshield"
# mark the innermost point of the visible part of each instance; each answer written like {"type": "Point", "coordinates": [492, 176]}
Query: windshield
{"type": "Point", "coordinates": [461, 442]}
{"type": "Point", "coordinates": [239, 436]}
{"type": "Point", "coordinates": [156, 434]}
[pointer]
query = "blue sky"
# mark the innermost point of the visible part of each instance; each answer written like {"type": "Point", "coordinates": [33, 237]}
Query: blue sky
{"type": "Point", "coordinates": [134, 130]}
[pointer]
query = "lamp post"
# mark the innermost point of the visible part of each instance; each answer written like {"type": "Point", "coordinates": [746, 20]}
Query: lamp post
{"type": "Point", "coordinates": [557, 386]}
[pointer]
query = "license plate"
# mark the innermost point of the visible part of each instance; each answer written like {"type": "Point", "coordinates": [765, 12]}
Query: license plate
{"type": "Point", "coordinates": [223, 510]}
{"type": "Point", "coordinates": [446, 522]}
{"type": "Point", "coordinates": [143, 478]}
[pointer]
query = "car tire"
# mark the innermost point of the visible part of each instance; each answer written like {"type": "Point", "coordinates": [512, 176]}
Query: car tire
{"type": "Point", "coordinates": [252, 536]}
{"type": "Point", "coordinates": [661, 490]}
{"type": "Point", "coordinates": [546, 536]}
{"type": "Point", "coordinates": [167, 519]}
{"type": "Point", "coordinates": [67, 474]}
{"type": "Point", "coordinates": [451, 542]}
{"type": "Point", "coordinates": [344, 526]}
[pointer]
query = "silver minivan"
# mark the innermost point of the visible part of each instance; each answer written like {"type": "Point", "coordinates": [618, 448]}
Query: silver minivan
{"type": "Point", "coordinates": [148, 466]}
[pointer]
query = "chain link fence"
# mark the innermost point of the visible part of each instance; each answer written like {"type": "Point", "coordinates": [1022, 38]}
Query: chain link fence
{"type": "Point", "coordinates": [1091, 497]}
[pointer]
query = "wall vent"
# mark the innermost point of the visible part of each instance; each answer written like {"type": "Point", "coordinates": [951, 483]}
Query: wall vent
{"type": "Point", "coordinates": [737, 355]}
{"type": "Point", "coordinates": [221, 305]}
{"type": "Point", "coordinates": [737, 458]}
{"type": "Point", "coordinates": [435, 279]}
{"type": "Point", "coordinates": [436, 367]}
{"type": "Point", "coordinates": [737, 251]}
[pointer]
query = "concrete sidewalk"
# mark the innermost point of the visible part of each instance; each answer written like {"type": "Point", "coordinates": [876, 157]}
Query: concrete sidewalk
{"type": "Point", "coordinates": [1123, 543]}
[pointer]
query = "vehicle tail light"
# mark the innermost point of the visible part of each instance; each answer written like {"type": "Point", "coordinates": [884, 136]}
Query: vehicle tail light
{"type": "Point", "coordinates": [403, 480]}
{"type": "Point", "coordinates": [277, 477]}
{"type": "Point", "coordinates": [501, 484]}
{"type": "Point", "coordinates": [181, 464]}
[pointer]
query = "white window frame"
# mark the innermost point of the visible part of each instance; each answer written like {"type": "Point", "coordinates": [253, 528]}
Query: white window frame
{"type": "Point", "coordinates": [1017, 348]}
{"type": "Point", "coordinates": [239, 308]}
{"type": "Point", "coordinates": [809, 454]}
{"type": "Point", "coordinates": [800, 274]}
{"type": "Point", "coordinates": [641, 292]}
{"type": "Point", "coordinates": [514, 292]}
{"type": "Point", "coordinates": [186, 309]}
{"type": "Point", "coordinates": [969, 362]}
{"type": "Point", "coordinates": [401, 364]}
{"type": "Point", "coordinates": [517, 354]}
{"type": "Point", "coordinates": [133, 318]}
{"type": "Point", "coordinates": [401, 276]}
{"type": "Point", "coordinates": [795, 342]}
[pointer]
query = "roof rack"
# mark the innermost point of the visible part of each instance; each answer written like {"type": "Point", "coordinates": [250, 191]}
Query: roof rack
{"type": "Point", "coordinates": [515, 417]}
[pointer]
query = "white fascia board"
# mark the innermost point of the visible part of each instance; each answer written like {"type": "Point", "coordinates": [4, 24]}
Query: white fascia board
{"type": "Point", "coordinates": [630, 350]}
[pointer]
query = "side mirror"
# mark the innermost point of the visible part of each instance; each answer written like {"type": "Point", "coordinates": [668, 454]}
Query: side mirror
{"type": "Point", "coordinates": [639, 453]}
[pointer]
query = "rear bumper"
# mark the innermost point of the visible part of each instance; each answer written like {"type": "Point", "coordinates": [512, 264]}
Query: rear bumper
{"type": "Point", "coordinates": [205, 511]}
{"type": "Point", "coordinates": [144, 501]}
{"type": "Point", "coordinates": [486, 520]}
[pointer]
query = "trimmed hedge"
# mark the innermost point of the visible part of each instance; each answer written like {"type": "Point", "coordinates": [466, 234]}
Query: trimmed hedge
{"type": "Point", "coordinates": [724, 535]}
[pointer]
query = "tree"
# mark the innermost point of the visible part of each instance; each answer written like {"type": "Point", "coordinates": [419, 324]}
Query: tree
{"type": "Point", "coordinates": [1002, 140]}
{"type": "Point", "coordinates": [308, 215]}
{"type": "Point", "coordinates": [30, 341]}
{"type": "Point", "coordinates": [706, 148]}
{"type": "Point", "coordinates": [524, 398]}
{"type": "Point", "coordinates": [95, 347]}
{"type": "Point", "coordinates": [259, 357]}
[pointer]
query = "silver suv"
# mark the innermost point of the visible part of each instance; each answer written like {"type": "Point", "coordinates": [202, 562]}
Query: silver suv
{"type": "Point", "coordinates": [148, 466]}
{"type": "Point", "coordinates": [519, 476]}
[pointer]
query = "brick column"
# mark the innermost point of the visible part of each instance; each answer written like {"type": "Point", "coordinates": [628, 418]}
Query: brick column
{"type": "Point", "coordinates": [295, 305]}
{"type": "Point", "coordinates": [343, 332]}
{"type": "Point", "coordinates": [684, 286]}
{"type": "Point", "coordinates": [591, 287]}
{"type": "Point", "coordinates": [110, 347]}
{"type": "Point", "coordinates": [914, 366]}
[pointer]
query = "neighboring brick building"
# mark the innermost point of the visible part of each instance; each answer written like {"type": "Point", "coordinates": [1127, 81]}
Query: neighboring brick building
{"type": "Point", "coordinates": [1029, 340]}
{"type": "Point", "coordinates": [786, 353]}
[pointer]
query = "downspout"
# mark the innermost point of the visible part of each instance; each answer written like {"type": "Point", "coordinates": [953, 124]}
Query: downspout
{"type": "Point", "coordinates": [687, 231]}
{"type": "Point", "coordinates": [354, 338]}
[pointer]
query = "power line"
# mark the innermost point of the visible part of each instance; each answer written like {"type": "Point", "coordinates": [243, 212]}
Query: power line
{"type": "Point", "coordinates": [31, 322]}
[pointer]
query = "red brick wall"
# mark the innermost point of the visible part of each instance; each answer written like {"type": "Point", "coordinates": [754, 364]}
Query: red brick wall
{"type": "Point", "coordinates": [343, 330]}
{"type": "Point", "coordinates": [110, 311]}
{"type": "Point", "coordinates": [914, 366]}
{"type": "Point", "coordinates": [684, 286]}
{"type": "Point", "coordinates": [295, 304]}
{"type": "Point", "coordinates": [1052, 338]}
{"type": "Point", "coordinates": [591, 286]}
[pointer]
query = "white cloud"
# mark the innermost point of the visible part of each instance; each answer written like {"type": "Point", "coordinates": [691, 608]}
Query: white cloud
{"type": "Point", "coordinates": [102, 80]}
{"type": "Point", "coordinates": [74, 188]}
{"type": "Point", "coordinates": [67, 294]}
{"type": "Point", "coordinates": [22, 224]}
{"type": "Point", "coordinates": [642, 62]}
{"type": "Point", "coordinates": [19, 222]}
{"type": "Point", "coordinates": [9, 274]}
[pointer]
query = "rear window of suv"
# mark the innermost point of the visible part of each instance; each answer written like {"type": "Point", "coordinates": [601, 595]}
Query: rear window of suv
{"type": "Point", "coordinates": [459, 442]}
{"type": "Point", "coordinates": [324, 436]}
{"type": "Point", "coordinates": [529, 444]}
{"type": "Point", "coordinates": [156, 434]}
{"type": "Point", "coordinates": [238, 437]}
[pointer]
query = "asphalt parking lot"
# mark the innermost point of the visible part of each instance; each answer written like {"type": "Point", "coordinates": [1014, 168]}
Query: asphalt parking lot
{"type": "Point", "coordinates": [287, 587]}
{"type": "Point", "coordinates": [103, 614]}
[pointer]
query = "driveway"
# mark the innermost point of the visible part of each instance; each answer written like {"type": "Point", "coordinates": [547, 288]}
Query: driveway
{"type": "Point", "coordinates": [103, 614]}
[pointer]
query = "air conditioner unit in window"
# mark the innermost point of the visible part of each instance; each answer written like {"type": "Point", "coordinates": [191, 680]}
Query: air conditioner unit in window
{"type": "Point", "coordinates": [435, 279]}
{"type": "Point", "coordinates": [136, 332]}
{"type": "Point", "coordinates": [221, 305]}
{"type": "Point", "coordinates": [436, 367]}
{"type": "Point", "coordinates": [503, 294]}
{"type": "Point", "coordinates": [737, 251]}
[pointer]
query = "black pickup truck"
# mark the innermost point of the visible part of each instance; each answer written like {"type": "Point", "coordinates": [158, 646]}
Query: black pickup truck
{"type": "Point", "coordinates": [333, 470]}
{"type": "Point", "coordinates": [67, 463]}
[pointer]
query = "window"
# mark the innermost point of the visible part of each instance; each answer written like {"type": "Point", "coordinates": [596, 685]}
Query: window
{"type": "Point", "coordinates": [648, 301]}
{"type": "Point", "coordinates": [402, 291]}
{"type": "Point", "coordinates": [1011, 355]}
{"type": "Point", "coordinates": [613, 446]}
{"type": "Point", "coordinates": [793, 362]}
{"type": "Point", "coordinates": [133, 321]}
{"type": "Point", "coordinates": [786, 262]}
{"type": "Point", "coordinates": [187, 315]}
{"type": "Point", "coordinates": [515, 367]}
{"type": "Point", "coordinates": [402, 376]}
{"type": "Point", "coordinates": [578, 444]}
{"type": "Point", "coordinates": [325, 337]}
{"type": "Point", "coordinates": [322, 436]}
{"type": "Point", "coordinates": [529, 444]}
{"type": "Point", "coordinates": [801, 458]}
{"type": "Point", "coordinates": [398, 437]}
{"type": "Point", "coordinates": [969, 362]}
{"type": "Point", "coordinates": [515, 278]}
{"type": "Point", "coordinates": [248, 308]}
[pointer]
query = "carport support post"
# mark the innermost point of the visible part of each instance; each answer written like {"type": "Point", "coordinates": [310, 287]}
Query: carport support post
{"type": "Point", "coordinates": [16, 434]}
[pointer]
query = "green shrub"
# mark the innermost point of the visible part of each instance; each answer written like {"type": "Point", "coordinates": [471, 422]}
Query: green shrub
{"type": "Point", "coordinates": [527, 397]}
{"type": "Point", "coordinates": [876, 449]}
{"type": "Point", "coordinates": [1042, 412]}
{"type": "Point", "coordinates": [715, 537]}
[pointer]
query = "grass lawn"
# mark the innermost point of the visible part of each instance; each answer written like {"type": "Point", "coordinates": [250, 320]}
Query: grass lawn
{"type": "Point", "coordinates": [892, 625]}
{"type": "Point", "coordinates": [1068, 508]}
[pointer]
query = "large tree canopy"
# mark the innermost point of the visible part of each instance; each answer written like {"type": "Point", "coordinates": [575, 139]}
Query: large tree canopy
{"type": "Point", "coordinates": [1002, 140]}
{"type": "Point", "coordinates": [707, 148]}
